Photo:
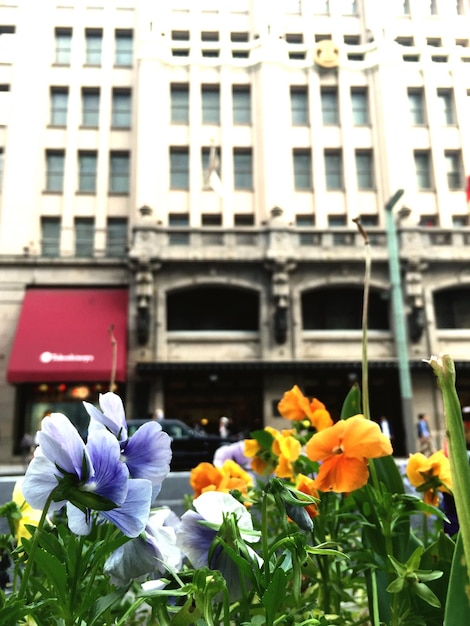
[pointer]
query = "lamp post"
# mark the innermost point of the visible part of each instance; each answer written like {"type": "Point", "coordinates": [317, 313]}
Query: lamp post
{"type": "Point", "coordinates": [399, 322]}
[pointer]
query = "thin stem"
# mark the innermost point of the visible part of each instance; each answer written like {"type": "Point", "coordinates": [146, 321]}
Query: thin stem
{"type": "Point", "coordinates": [34, 545]}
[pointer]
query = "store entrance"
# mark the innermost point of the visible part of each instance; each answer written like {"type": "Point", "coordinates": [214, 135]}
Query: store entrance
{"type": "Point", "coordinates": [195, 397]}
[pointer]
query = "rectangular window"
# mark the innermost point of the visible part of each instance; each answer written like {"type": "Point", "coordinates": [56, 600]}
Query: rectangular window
{"type": "Point", "coordinates": [333, 170]}
{"type": "Point", "coordinates": [179, 95]}
{"type": "Point", "coordinates": [208, 166]}
{"type": "Point", "coordinates": [55, 162]}
{"type": "Point", "coordinates": [243, 168]}
{"type": "Point", "coordinates": [299, 106]}
{"type": "Point", "coordinates": [90, 107]}
{"type": "Point", "coordinates": [178, 220]}
{"type": "Point", "coordinates": [93, 41]}
{"type": "Point", "coordinates": [179, 168]}
{"type": "Point", "coordinates": [63, 46]}
{"type": "Point", "coordinates": [302, 170]}
{"type": "Point", "coordinates": [119, 172]}
{"type": "Point", "coordinates": [329, 106]}
{"type": "Point", "coordinates": [364, 169]}
{"type": "Point", "coordinates": [321, 7]}
{"type": "Point", "coordinates": [87, 163]}
{"type": "Point", "coordinates": [121, 113]}
{"type": "Point", "coordinates": [446, 107]}
{"type": "Point", "coordinates": [453, 169]}
{"type": "Point", "coordinates": [59, 105]}
{"type": "Point", "coordinates": [423, 169]}
{"type": "Point", "coordinates": [116, 237]}
{"type": "Point", "coordinates": [210, 104]}
{"type": "Point", "coordinates": [50, 236]}
{"type": "Point", "coordinates": [360, 106]}
{"type": "Point", "coordinates": [241, 97]}
{"type": "Point", "coordinates": [124, 48]}
{"type": "Point", "coordinates": [416, 106]}
{"type": "Point", "coordinates": [84, 236]}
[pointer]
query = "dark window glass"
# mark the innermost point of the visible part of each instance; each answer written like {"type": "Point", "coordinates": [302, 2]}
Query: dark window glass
{"type": "Point", "coordinates": [452, 308]}
{"type": "Point", "coordinates": [213, 308]}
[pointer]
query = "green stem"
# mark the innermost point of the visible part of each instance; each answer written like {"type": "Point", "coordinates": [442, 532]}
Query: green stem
{"type": "Point", "coordinates": [365, 312]}
{"type": "Point", "coordinates": [34, 545]}
{"type": "Point", "coordinates": [444, 369]}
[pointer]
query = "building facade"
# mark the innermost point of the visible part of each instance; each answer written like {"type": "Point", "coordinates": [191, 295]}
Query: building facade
{"type": "Point", "coordinates": [179, 182]}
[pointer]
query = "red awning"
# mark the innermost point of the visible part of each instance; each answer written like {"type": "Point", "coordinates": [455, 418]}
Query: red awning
{"type": "Point", "coordinates": [63, 335]}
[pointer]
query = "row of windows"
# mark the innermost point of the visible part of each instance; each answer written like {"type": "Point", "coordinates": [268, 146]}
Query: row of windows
{"type": "Point", "coordinates": [123, 46]}
{"type": "Point", "coordinates": [121, 111]}
{"type": "Point", "coordinates": [84, 227]}
{"type": "Point", "coordinates": [119, 169]}
{"type": "Point", "coordinates": [325, 308]}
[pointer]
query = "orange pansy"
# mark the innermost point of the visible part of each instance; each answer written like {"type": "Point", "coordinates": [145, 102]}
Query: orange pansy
{"type": "Point", "coordinates": [344, 449]}
{"type": "Point", "coordinates": [307, 485]}
{"type": "Point", "coordinates": [434, 470]}
{"type": "Point", "coordinates": [251, 448]}
{"type": "Point", "coordinates": [234, 477]}
{"type": "Point", "coordinates": [260, 466]}
{"type": "Point", "coordinates": [294, 405]}
{"type": "Point", "coordinates": [204, 477]}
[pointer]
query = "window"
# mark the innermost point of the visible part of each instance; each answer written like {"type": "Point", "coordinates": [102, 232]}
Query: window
{"type": "Point", "coordinates": [119, 165]}
{"type": "Point", "coordinates": [116, 237]}
{"type": "Point", "coordinates": [239, 37]}
{"type": "Point", "coordinates": [329, 106]}
{"type": "Point", "coordinates": [302, 170]}
{"type": "Point", "coordinates": [364, 169]}
{"type": "Point", "coordinates": [241, 98]}
{"type": "Point", "coordinates": [299, 105]}
{"type": "Point", "coordinates": [55, 161]}
{"type": "Point", "coordinates": [124, 48]}
{"type": "Point", "coordinates": [63, 45]}
{"type": "Point", "coordinates": [453, 169]}
{"type": "Point", "coordinates": [84, 236]}
{"type": "Point", "coordinates": [349, 7]}
{"type": "Point", "coordinates": [59, 105]}
{"type": "Point", "coordinates": [436, 42]}
{"type": "Point", "coordinates": [210, 104]}
{"type": "Point", "coordinates": [243, 168]}
{"type": "Point", "coordinates": [404, 7]}
{"type": "Point", "coordinates": [211, 219]}
{"type": "Point", "coordinates": [459, 221]}
{"type": "Point", "coordinates": [179, 95]}
{"type": "Point", "coordinates": [294, 38]}
{"type": "Point", "coordinates": [446, 107]}
{"type": "Point", "coordinates": [428, 221]}
{"type": "Point", "coordinates": [452, 308]}
{"type": "Point", "coordinates": [411, 58]}
{"type": "Point", "coordinates": [306, 238]}
{"type": "Point", "coordinates": [405, 41]}
{"type": "Point", "coordinates": [423, 169]}
{"type": "Point", "coordinates": [333, 170]}
{"type": "Point", "coordinates": [93, 39]}
{"type": "Point", "coordinates": [210, 53]}
{"type": "Point", "coordinates": [90, 107]}
{"type": "Point", "coordinates": [178, 220]}
{"type": "Point", "coordinates": [243, 219]}
{"type": "Point", "coordinates": [180, 35]}
{"type": "Point", "coordinates": [416, 106]}
{"type": "Point", "coordinates": [360, 106]}
{"type": "Point", "coordinates": [179, 168]}
{"type": "Point", "coordinates": [50, 236]}
{"type": "Point", "coordinates": [121, 114]}
{"type": "Point", "coordinates": [209, 36]}
{"type": "Point", "coordinates": [87, 162]}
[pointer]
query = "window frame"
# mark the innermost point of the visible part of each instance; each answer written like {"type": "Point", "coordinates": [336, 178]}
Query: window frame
{"type": "Point", "coordinates": [123, 47]}
{"type": "Point", "coordinates": [299, 105]}
{"type": "Point", "coordinates": [302, 165]}
{"type": "Point", "coordinates": [90, 110]}
{"type": "Point", "coordinates": [179, 103]}
{"type": "Point", "coordinates": [423, 170]}
{"type": "Point", "coordinates": [119, 172]}
{"type": "Point", "coordinates": [63, 46]}
{"type": "Point", "coordinates": [179, 168]}
{"type": "Point", "coordinates": [334, 176]}
{"type": "Point", "coordinates": [84, 243]}
{"type": "Point", "coordinates": [121, 107]}
{"type": "Point", "coordinates": [55, 169]}
{"type": "Point", "coordinates": [360, 106]}
{"type": "Point", "coordinates": [329, 108]}
{"type": "Point", "coordinates": [243, 169]}
{"type": "Point", "coordinates": [241, 105]}
{"type": "Point", "coordinates": [59, 111]}
{"type": "Point", "coordinates": [50, 236]}
{"type": "Point", "coordinates": [116, 244]}
{"type": "Point", "coordinates": [417, 106]}
{"type": "Point", "coordinates": [364, 169]}
{"type": "Point", "coordinates": [93, 46]}
{"type": "Point", "coordinates": [210, 104]}
{"type": "Point", "coordinates": [87, 171]}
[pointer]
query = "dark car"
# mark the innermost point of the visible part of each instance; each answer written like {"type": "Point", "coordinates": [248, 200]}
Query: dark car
{"type": "Point", "coordinates": [189, 447]}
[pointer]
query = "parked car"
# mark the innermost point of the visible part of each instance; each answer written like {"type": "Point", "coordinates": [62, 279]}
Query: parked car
{"type": "Point", "coordinates": [189, 447]}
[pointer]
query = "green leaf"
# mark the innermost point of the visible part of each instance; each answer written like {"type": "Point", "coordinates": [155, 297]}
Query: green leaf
{"type": "Point", "coordinates": [457, 609]}
{"type": "Point", "coordinates": [264, 438]}
{"type": "Point", "coordinates": [275, 592]}
{"type": "Point", "coordinates": [421, 590]}
{"type": "Point", "coordinates": [352, 402]}
{"type": "Point", "coordinates": [396, 585]}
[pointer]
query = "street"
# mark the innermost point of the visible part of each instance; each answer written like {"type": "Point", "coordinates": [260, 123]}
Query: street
{"type": "Point", "coordinates": [174, 488]}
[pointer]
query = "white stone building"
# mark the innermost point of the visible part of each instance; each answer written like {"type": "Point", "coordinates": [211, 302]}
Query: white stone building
{"type": "Point", "coordinates": [187, 172]}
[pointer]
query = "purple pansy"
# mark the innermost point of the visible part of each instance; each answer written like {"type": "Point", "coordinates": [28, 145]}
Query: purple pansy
{"type": "Point", "coordinates": [147, 453]}
{"type": "Point", "coordinates": [85, 476]}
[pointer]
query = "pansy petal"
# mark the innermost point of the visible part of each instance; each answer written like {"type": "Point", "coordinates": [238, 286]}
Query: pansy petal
{"type": "Point", "coordinates": [147, 454]}
{"type": "Point", "coordinates": [41, 478]}
{"type": "Point", "coordinates": [78, 522]}
{"type": "Point", "coordinates": [112, 415]}
{"type": "Point", "coordinates": [342, 474]}
{"type": "Point", "coordinates": [131, 517]}
{"type": "Point", "coordinates": [61, 443]}
{"type": "Point", "coordinates": [215, 505]}
{"type": "Point", "coordinates": [324, 443]}
{"type": "Point", "coordinates": [294, 405]}
{"type": "Point", "coordinates": [194, 539]}
{"type": "Point", "coordinates": [362, 438]}
{"type": "Point", "coordinates": [111, 474]}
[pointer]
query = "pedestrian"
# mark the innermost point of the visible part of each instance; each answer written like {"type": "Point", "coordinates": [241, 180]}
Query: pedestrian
{"type": "Point", "coordinates": [224, 430]}
{"type": "Point", "coordinates": [385, 427]}
{"type": "Point", "coordinates": [426, 446]}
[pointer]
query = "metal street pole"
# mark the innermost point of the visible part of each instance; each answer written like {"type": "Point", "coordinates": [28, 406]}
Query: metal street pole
{"type": "Point", "coordinates": [400, 322]}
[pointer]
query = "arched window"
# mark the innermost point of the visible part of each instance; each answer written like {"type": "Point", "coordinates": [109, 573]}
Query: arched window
{"type": "Point", "coordinates": [452, 307]}
{"type": "Point", "coordinates": [340, 308]}
{"type": "Point", "coordinates": [213, 308]}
